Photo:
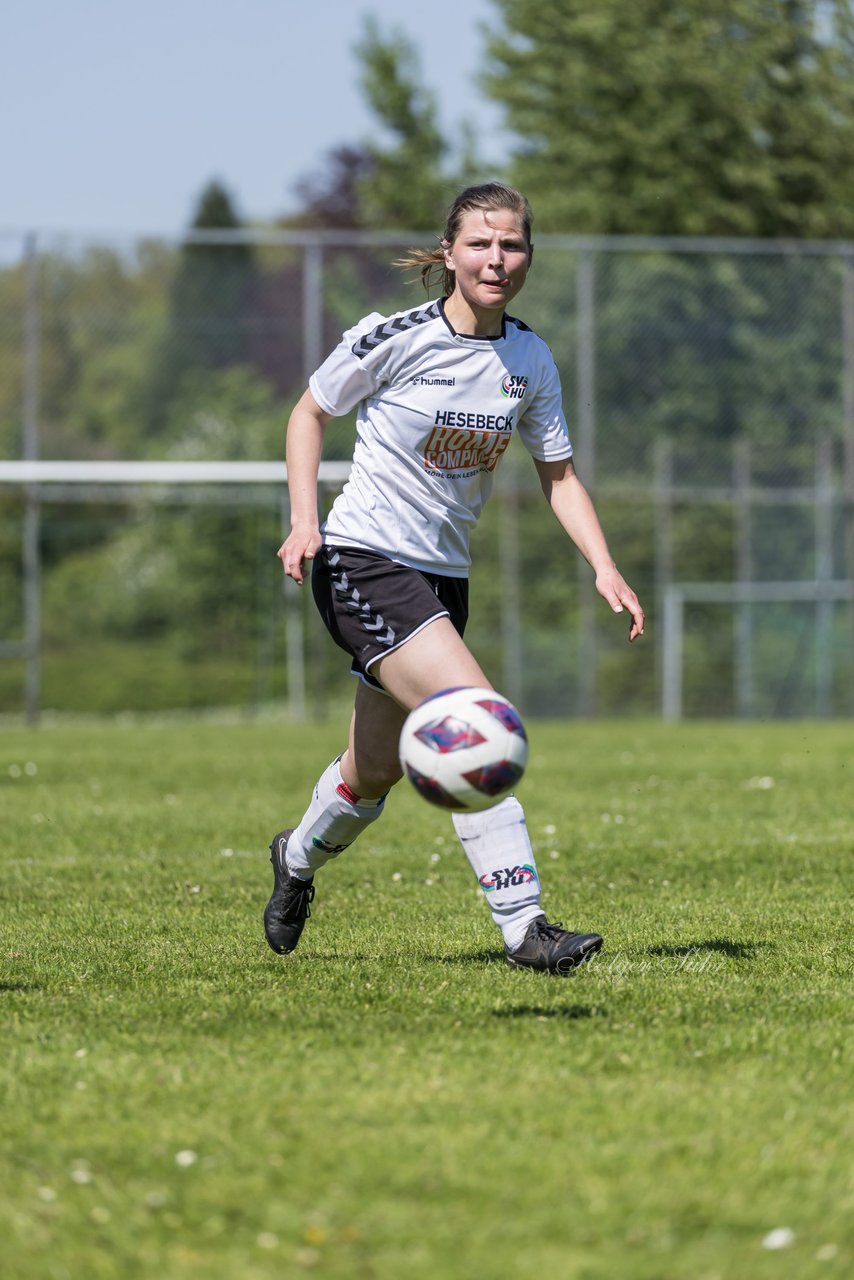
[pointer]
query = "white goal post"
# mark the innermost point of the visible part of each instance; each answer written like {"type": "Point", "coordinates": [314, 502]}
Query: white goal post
{"type": "Point", "coordinates": [823, 593]}
{"type": "Point", "coordinates": [43, 471]}
{"type": "Point", "coordinates": [43, 481]}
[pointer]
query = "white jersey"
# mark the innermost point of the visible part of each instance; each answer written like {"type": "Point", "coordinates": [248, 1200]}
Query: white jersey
{"type": "Point", "coordinates": [437, 410]}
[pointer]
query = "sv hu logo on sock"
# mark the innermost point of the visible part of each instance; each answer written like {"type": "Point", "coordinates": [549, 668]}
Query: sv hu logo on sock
{"type": "Point", "coordinates": [329, 848]}
{"type": "Point", "coordinates": [507, 878]}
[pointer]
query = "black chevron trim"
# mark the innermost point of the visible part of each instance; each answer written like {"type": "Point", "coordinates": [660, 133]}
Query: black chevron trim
{"type": "Point", "coordinates": [390, 328]}
{"type": "Point", "coordinates": [520, 324]}
{"type": "Point", "coordinates": [352, 601]}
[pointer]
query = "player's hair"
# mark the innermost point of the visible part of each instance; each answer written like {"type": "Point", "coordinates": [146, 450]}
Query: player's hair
{"type": "Point", "coordinates": [490, 197]}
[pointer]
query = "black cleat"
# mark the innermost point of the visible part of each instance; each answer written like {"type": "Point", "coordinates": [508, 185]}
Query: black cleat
{"type": "Point", "coordinates": [288, 908]}
{"type": "Point", "coordinates": [553, 949]}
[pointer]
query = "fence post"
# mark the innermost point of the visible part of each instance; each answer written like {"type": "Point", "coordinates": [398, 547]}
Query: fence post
{"type": "Point", "coordinates": [294, 628]}
{"type": "Point", "coordinates": [586, 452]}
{"type": "Point", "coordinates": [312, 316]}
{"type": "Point", "coordinates": [743, 574]}
{"type": "Point", "coordinates": [671, 641]}
{"type": "Point", "coordinates": [848, 438]}
{"type": "Point", "coordinates": [663, 497]}
{"type": "Point", "coordinates": [32, 509]}
{"type": "Point", "coordinates": [823, 574]}
{"type": "Point", "coordinates": [511, 602]}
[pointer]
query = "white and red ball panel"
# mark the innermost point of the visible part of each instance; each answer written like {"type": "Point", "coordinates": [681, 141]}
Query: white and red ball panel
{"type": "Point", "coordinates": [464, 749]}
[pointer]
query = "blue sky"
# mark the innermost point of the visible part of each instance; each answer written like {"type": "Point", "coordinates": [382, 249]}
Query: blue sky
{"type": "Point", "coordinates": [116, 114]}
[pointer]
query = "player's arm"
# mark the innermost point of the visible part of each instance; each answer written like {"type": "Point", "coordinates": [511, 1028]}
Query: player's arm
{"type": "Point", "coordinates": [303, 449]}
{"type": "Point", "coordinates": [572, 505]}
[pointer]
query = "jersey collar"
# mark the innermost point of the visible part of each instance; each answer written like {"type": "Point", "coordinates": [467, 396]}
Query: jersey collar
{"type": "Point", "coordinates": [473, 337]}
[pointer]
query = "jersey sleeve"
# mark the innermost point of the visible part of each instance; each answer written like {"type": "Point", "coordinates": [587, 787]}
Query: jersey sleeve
{"type": "Point", "coordinates": [542, 427]}
{"type": "Point", "coordinates": [345, 378]}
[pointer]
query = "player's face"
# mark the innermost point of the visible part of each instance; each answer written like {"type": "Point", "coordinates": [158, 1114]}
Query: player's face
{"type": "Point", "coordinates": [490, 258]}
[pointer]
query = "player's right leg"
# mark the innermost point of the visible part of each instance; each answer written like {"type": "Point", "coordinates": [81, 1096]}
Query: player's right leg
{"type": "Point", "coordinates": [373, 607]}
{"type": "Point", "coordinates": [347, 798]}
{"type": "Point", "coordinates": [434, 659]}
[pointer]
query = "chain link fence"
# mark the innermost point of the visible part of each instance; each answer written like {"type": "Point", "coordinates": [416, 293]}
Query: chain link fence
{"type": "Point", "coordinates": [710, 393]}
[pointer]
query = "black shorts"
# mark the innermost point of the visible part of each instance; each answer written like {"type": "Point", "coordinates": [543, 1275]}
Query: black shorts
{"type": "Point", "coordinates": [372, 605]}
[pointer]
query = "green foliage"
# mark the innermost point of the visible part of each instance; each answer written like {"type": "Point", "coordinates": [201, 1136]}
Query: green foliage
{"type": "Point", "coordinates": [225, 415]}
{"type": "Point", "coordinates": [100, 316]}
{"type": "Point", "coordinates": [12, 313]}
{"type": "Point", "coordinates": [408, 173]}
{"type": "Point", "coordinates": [356, 283]}
{"type": "Point", "coordinates": [193, 587]}
{"type": "Point", "coordinates": [543, 604]}
{"type": "Point", "coordinates": [698, 349]}
{"type": "Point", "coordinates": [406, 185]}
{"type": "Point", "coordinates": [181, 1102]}
{"type": "Point", "coordinates": [643, 118]}
{"type": "Point", "coordinates": [702, 118]}
{"type": "Point", "coordinates": [704, 348]}
{"type": "Point", "coordinates": [330, 198]}
{"type": "Point", "coordinates": [11, 571]}
{"type": "Point", "coordinates": [210, 298]}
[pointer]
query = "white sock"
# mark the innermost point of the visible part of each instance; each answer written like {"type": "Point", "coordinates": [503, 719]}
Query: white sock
{"type": "Point", "coordinates": [334, 818]}
{"type": "Point", "coordinates": [497, 845]}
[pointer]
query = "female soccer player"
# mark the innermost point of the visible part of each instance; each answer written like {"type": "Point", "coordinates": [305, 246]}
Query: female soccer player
{"type": "Point", "coordinates": [440, 389]}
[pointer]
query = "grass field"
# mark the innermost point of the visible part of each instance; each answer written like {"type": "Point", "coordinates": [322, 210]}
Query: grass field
{"type": "Point", "coordinates": [392, 1100]}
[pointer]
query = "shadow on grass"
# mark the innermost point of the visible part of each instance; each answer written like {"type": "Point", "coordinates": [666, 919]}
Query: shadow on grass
{"type": "Point", "coordinates": [571, 1012]}
{"type": "Point", "coordinates": [485, 956]}
{"type": "Point", "coordinates": [18, 986]}
{"type": "Point", "coordinates": [716, 946]}
{"type": "Point", "coordinates": [468, 958]}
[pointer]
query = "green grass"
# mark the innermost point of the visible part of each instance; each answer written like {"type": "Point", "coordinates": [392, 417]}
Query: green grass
{"type": "Point", "coordinates": [392, 1100]}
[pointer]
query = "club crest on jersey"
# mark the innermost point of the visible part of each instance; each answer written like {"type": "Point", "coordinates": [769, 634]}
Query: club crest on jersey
{"type": "Point", "coordinates": [513, 385]}
{"type": "Point", "coordinates": [507, 878]}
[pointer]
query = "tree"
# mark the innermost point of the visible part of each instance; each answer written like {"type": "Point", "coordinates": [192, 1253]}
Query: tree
{"type": "Point", "coordinates": [406, 176]}
{"type": "Point", "coordinates": [212, 287]}
{"type": "Point", "coordinates": [407, 184]}
{"type": "Point", "coordinates": [403, 177]}
{"type": "Point", "coordinates": [209, 303]}
{"type": "Point", "coordinates": [398, 177]}
{"type": "Point", "coordinates": [330, 198]}
{"type": "Point", "coordinates": [702, 117]}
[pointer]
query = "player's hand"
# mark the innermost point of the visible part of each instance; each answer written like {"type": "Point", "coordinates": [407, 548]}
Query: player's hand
{"type": "Point", "coordinates": [613, 587]}
{"type": "Point", "coordinates": [298, 550]}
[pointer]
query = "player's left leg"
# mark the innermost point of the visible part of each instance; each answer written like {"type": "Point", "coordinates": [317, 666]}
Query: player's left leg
{"type": "Point", "coordinates": [495, 841]}
{"type": "Point", "coordinates": [498, 847]}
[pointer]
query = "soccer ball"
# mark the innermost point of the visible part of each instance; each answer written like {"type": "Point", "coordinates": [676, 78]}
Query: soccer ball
{"type": "Point", "coordinates": [464, 749]}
